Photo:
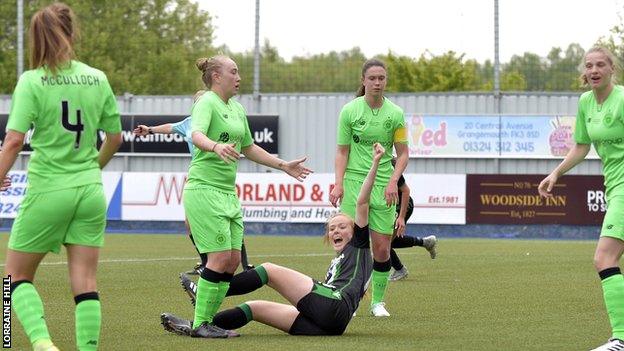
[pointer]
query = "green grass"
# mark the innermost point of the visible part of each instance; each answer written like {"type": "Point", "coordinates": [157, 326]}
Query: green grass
{"type": "Point", "coordinates": [477, 295]}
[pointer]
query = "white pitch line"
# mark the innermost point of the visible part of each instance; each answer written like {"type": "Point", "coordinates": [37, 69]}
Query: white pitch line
{"type": "Point", "coordinates": [139, 260]}
{"type": "Point", "coordinates": [164, 259]}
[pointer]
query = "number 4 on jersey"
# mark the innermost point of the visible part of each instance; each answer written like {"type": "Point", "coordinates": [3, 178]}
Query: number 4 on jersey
{"type": "Point", "coordinates": [78, 127]}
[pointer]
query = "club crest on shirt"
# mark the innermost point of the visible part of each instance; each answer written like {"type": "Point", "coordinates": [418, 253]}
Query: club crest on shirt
{"type": "Point", "coordinates": [224, 137]}
{"type": "Point", "coordinates": [388, 124]}
{"type": "Point", "coordinates": [608, 119]}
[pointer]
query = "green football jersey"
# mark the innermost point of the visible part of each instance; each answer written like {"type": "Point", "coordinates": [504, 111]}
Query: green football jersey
{"type": "Point", "coordinates": [603, 126]}
{"type": "Point", "coordinates": [225, 124]}
{"type": "Point", "coordinates": [360, 127]}
{"type": "Point", "coordinates": [65, 111]}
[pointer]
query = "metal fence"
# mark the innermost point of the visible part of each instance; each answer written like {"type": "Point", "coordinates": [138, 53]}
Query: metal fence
{"type": "Point", "coordinates": [308, 127]}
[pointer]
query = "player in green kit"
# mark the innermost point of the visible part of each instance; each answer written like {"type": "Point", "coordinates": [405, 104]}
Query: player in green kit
{"type": "Point", "coordinates": [183, 128]}
{"type": "Point", "coordinates": [66, 102]}
{"type": "Point", "coordinates": [600, 121]}
{"type": "Point", "coordinates": [368, 119]}
{"type": "Point", "coordinates": [220, 132]}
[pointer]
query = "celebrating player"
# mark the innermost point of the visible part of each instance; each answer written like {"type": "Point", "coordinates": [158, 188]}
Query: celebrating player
{"type": "Point", "coordinates": [315, 308]}
{"type": "Point", "coordinates": [368, 119]}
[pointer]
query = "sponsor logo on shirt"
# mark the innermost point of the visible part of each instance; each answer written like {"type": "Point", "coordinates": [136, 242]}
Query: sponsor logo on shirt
{"type": "Point", "coordinates": [361, 140]}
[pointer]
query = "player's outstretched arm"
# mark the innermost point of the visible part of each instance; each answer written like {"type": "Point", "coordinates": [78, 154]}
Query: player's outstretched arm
{"type": "Point", "coordinates": [294, 168]}
{"type": "Point", "coordinates": [362, 205]}
{"type": "Point", "coordinates": [143, 130]}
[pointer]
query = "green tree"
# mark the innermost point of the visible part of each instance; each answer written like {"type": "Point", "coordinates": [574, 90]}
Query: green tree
{"type": "Point", "coordinates": [563, 71]}
{"type": "Point", "coordinates": [532, 67]}
{"type": "Point", "coordinates": [144, 46]}
{"type": "Point", "coordinates": [446, 72]}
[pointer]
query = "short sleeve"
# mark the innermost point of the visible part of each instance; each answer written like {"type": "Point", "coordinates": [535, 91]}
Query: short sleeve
{"type": "Point", "coordinates": [247, 139]}
{"type": "Point", "coordinates": [23, 106]}
{"type": "Point", "coordinates": [401, 181]}
{"type": "Point", "coordinates": [201, 116]}
{"type": "Point", "coordinates": [182, 127]}
{"type": "Point", "coordinates": [361, 237]}
{"type": "Point", "coordinates": [344, 127]}
{"type": "Point", "coordinates": [110, 121]}
{"type": "Point", "coordinates": [580, 129]}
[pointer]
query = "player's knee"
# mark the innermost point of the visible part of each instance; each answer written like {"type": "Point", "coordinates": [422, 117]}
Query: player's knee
{"type": "Point", "coordinates": [272, 270]}
{"type": "Point", "coordinates": [381, 254]}
{"type": "Point", "coordinates": [269, 267]}
{"type": "Point", "coordinates": [604, 260]}
{"type": "Point", "coordinates": [233, 264]}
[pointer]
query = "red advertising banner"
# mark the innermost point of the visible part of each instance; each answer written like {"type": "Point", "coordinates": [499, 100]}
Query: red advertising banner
{"type": "Point", "coordinates": [513, 199]}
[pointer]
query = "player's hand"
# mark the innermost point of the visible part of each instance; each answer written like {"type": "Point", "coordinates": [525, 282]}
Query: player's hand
{"type": "Point", "coordinates": [6, 183]}
{"type": "Point", "coordinates": [378, 152]}
{"type": "Point", "coordinates": [546, 185]}
{"type": "Point", "coordinates": [226, 152]}
{"type": "Point", "coordinates": [399, 227]}
{"type": "Point", "coordinates": [297, 169]}
{"type": "Point", "coordinates": [392, 193]}
{"type": "Point", "coordinates": [141, 130]}
{"type": "Point", "coordinates": [335, 196]}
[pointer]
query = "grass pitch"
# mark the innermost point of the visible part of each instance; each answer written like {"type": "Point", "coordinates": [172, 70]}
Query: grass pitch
{"type": "Point", "coordinates": [477, 295]}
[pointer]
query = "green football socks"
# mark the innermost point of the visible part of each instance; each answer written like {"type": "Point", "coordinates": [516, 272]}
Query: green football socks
{"type": "Point", "coordinates": [88, 321]}
{"type": "Point", "coordinates": [207, 298]}
{"type": "Point", "coordinates": [613, 292]}
{"type": "Point", "coordinates": [29, 310]}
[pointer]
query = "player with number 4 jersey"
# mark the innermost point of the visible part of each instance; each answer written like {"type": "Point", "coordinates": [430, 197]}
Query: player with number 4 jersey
{"type": "Point", "coordinates": [65, 102]}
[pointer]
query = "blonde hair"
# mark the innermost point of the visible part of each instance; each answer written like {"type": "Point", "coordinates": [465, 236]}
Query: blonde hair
{"type": "Point", "coordinates": [210, 65]}
{"type": "Point", "coordinates": [613, 61]}
{"type": "Point", "coordinates": [51, 36]}
{"type": "Point", "coordinates": [329, 219]}
{"type": "Point", "coordinates": [198, 94]}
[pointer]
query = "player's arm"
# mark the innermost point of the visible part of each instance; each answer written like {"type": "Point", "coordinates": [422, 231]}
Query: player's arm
{"type": "Point", "coordinates": [226, 152]}
{"type": "Point", "coordinates": [11, 146]}
{"type": "Point", "coordinates": [576, 155]}
{"type": "Point", "coordinates": [405, 194]}
{"type": "Point", "coordinates": [259, 155]}
{"type": "Point", "coordinates": [294, 168]}
{"type": "Point", "coordinates": [399, 223]}
{"type": "Point", "coordinates": [344, 137]}
{"type": "Point", "coordinates": [340, 166]}
{"type": "Point", "coordinates": [391, 192]}
{"type": "Point", "coordinates": [362, 205]}
{"type": "Point", "coordinates": [143, 130]}
{"type": "Point", "coordinates": [111, 144]}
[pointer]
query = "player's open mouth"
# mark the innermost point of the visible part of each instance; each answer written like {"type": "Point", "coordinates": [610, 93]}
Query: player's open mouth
{"type": "Point", "coordinates": [337, 240]}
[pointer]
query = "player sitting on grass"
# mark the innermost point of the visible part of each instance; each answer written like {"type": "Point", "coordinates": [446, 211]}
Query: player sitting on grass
{"type": "Point", "coordinates": [316, 308]}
